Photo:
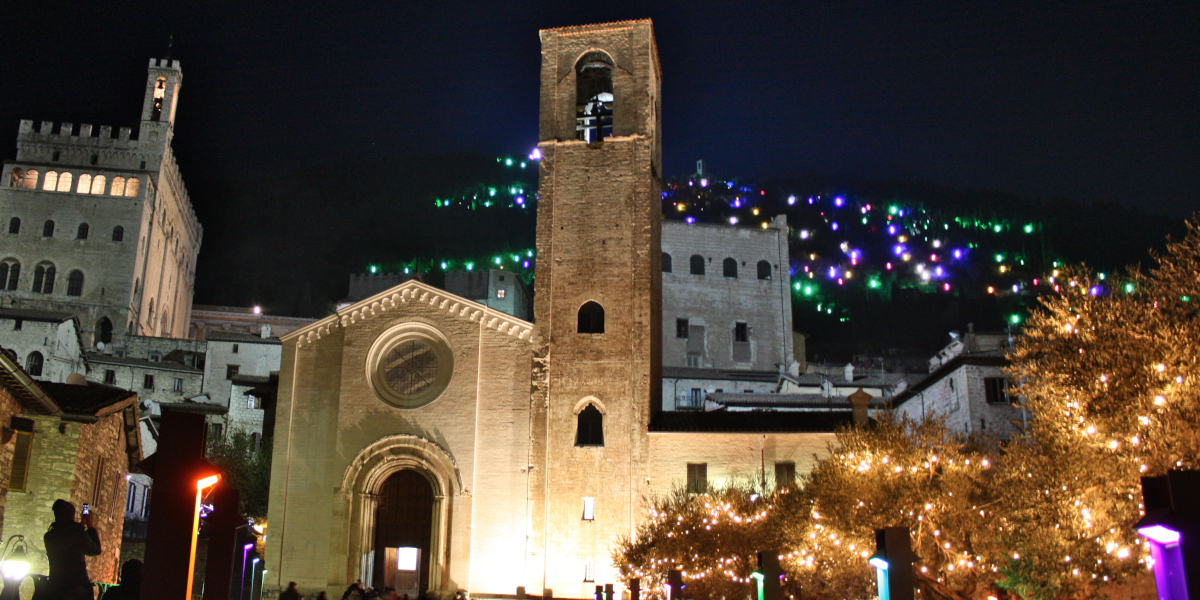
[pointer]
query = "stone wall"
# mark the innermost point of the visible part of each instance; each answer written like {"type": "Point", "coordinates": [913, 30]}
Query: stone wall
{"type": "Point", "coordinates": [9, 408]}
{"type": "Point", "coordinates": [961, 398]}
{"type": "Point", "coordinates": [51, 476]}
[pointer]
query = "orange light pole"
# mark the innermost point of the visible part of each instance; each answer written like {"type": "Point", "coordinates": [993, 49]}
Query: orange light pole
{"type": "Point", "coordinates": [200, 487]}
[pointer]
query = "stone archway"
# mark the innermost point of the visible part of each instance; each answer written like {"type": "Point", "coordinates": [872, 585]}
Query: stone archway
{"type": "Point", "coordinates": [361, 487]}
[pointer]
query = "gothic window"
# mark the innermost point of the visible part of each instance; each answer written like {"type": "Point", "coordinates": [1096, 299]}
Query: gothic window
{"type": "Point", "coordinates": [75, 283]}
{"type": "Point", "coordinates": [31, 177]}
{"type": "Point", "coordinates": [14, 225]}
{"type": "Point", "coordinates": [160, 92]}
{"type": "Point", "coordinates": [43, 279]}
{"type": "Point", "coordinates": [17, 178]}
{"type": "Point", "coordinates": [118, 186]}
{"type": "Point", "coordinates": [697, 264]}
{"type": "Point", "coordinates": [729, 267]}
{"type": "Point", "coordinates": [10, 272]}
{"type": "Point", "coordinates": [85, 184]}
{"type": "Point", "coordinates": [118, 233]}
{"type": "Point", "coordinates": [594, 97]}
{"type": "Point", "coordinates": [48, 229]}
{"type": "Point", "coordinates": [51, 182]}
{"type": "Point", "coordinates": [591, 318]}
{"type": "Point", "coordinates": [589, 430]}
{"type": "Point", "coordinates": [666, 263]}
{"type": "Point", "coordinates": [764, 269]}
{"type": "Point", "coordinates": [64, 182]}
{"type": "Point", "coordinates": [82, 233]}
{"type": "Point", "coordinates": [33, 364]}
{"type": "Point", "coordinates": [104, 329]}
{"type": "Point", "coordinates": [98, 184]}
{"type": "Point", "coordinates": [131, 186]}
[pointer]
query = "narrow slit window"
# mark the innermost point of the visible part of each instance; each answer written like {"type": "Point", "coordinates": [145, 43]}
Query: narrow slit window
{"type": "Point", "coordinates": [666, 262]}
{"type": "Point", "coordinates": [589, 509]}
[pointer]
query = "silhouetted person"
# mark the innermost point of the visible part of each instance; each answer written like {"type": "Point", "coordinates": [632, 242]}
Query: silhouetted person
{"type": "Point", "coordinates": [67, 543]}
{"type": "Point", "coordinates": [131, 582]}
{"type": "Point", "coordinates": [355, 591]}
{"type": "Point", "coordinates": [291, 593]}
{"type": "Point", "coordinates": [322, 596]}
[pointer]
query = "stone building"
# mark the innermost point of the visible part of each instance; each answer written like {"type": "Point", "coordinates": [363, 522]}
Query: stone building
{"type": "Point", "coordinates": [429, 442]}
{"type": "Point", "coordinates": [231, 354]}
{"type": "Point", "coordinates": [75, 441]}
{"type": "Point", "coordinates": [727, 310]}
{"type": "Point", "coordinates": [968, 387]}
{"type": "Point", "coordinates": [239, 319]}
{"type": "Point", "coordinates": [46, 342]}
{"type": "Point", "coordinates": [99, 226]}
{"type": "Point", "coordinates": [494, 288]}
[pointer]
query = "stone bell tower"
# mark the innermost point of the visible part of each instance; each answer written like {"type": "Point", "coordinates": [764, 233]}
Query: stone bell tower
{"type": "Point", "coordinates": [598, 307]}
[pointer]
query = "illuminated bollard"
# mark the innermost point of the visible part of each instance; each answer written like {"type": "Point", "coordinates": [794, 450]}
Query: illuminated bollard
{"type": "Point", "coordinates": [769, 576]}
{"type": "Point", "coordinates": [1172, 526]}
{"type": "Point", "coordinates": [635, 589]}
{"type": "Point", "coordinates": [608, 591]}
{"type": "Point", "coordinates": [674, 587]}
{"type": "Point", "coordinates": [893, 560]}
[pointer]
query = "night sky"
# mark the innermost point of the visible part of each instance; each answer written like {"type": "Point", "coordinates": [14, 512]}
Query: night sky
{"type": "Point", "coordinates": [1092, 100]}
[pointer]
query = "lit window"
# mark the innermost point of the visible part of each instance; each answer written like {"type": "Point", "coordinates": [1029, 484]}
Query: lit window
{"type": "Point", "coordinates": [178, 384]}
{"type": "Point", "coordinates": [589, 509]}
{"type": "Point", "coordinates": [500, 294]}
{"type": "Point", "coordinates": [589, 570]}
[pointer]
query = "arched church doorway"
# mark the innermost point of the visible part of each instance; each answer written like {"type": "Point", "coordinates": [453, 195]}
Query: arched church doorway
{"type": "Point", "coordinates": [403, 532]}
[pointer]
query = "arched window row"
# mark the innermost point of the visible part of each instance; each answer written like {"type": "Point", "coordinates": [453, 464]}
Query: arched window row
{"type": "Point", "coordinates": [729, 266]}
{"type": "Point", "coordinates": [10, 274]}
{"type": "Point", "coordinates": [53, 181]}
{"type": "Point", "coordinates": [81, 233]}
{"type": "Point", "coordinates": [43, 278]}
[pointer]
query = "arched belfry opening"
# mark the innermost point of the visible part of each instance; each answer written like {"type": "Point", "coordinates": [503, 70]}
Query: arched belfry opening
{"type": "Point", "coordinates": [594, 97]}
{"type": "Point", "coordinates": [403, 533]}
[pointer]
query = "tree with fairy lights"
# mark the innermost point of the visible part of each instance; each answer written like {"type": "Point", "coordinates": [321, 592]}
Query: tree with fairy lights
{"type": "Point", "coordinates": [1108, 369]}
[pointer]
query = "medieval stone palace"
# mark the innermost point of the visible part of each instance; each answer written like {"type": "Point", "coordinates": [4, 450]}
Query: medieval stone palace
{"type": "Point", "coordinates": [427, 442]}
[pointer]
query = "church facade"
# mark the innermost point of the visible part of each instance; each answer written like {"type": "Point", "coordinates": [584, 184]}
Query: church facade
{"type": "Point", "coordinates": [426, 442]}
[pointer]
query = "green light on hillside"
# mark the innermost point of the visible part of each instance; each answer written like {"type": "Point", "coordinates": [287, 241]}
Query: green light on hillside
{"type": "Point", "coordinates": [1186, 298]}
{"type": "Point", "coordinates": [893, 209]}
{"type": "Point", "coordinates": [997, 228]}
{"type": "Point", "coordinates": [874, 283]}
{"type": "Point", "coordinates": [470, 266]}
{"type": "Point", "coordinates": [443, 265]}
{"type": "Point", "coordinates": [1015, 319]}
{"type": "Point", "coordinates": [508, 162]}
{"type": "Point", "coordinates": [808, 290]}
{"type": "Point", "coordinates": [374, 268]}
{"type": "Point", "coordinates": [497, 260]}
{"type": "Point", "coordinates": [1129, 288]}
{"type": "Point", "coordinates": [1029, 228]}
{"type": "Point", "coordinates": [999, 258]}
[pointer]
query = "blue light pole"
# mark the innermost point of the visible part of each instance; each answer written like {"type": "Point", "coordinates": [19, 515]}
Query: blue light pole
{"type": "Point", "coordinates": [893, 560]}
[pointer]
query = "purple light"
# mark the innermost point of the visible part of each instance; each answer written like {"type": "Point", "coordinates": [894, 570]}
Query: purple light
{"type": "Point", "coordinates": [957, 253]}
{"type": "Point", "coordinates": [525, 264]}
{"type": "Point", "coordinates": [838, 201]}
{"type": "Point", "coordinates": [1095, 291]}
{"type": "Point", "coordinates": [898, 249]}
{"type": "Point", "coordinates": [791, 200]}
{"type": "Point", "coordinates": [520, 199]}
{"type": "Point", "coordinates": [938, 271]}
{"type": "Point", "coordinates": [891, 230]}
{"type": "Point", "coordinates": [810, 200]}
{"type": "Point", "coordinates": [832, 272]}
{"type": "Point", "coordinates": [536, 154]}
{"type": "Point", "coordinates": [834, 226]}
{"type": "Point", "coordinates": [703, 183]}
{"type": "Point", "coordinates": [733, 220]}
{"type": "Point", "coordinates": [737, 203]}
{"type": "Point", "coordinates": [247, 546]}
{"type": "Point", "coordinates": [1160, 534]}
{"type": "Point", "coordinates": [690, 220]}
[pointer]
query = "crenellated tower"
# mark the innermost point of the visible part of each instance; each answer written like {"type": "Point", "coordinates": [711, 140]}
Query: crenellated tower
{"type": "Point", "coordinates": [598, 295]}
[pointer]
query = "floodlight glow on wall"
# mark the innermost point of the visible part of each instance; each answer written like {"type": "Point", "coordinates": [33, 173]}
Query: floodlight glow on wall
{"type": "Point", "coordinates": [201, 485]}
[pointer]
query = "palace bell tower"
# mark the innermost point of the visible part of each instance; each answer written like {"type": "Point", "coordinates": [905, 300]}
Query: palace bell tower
{"type": "Point", "coordinates": [598, 299]}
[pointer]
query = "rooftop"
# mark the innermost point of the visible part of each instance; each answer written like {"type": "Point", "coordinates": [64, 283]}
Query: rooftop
{"type": "Point", "coordinates": [93, 399]}
{"type": "Point", "coordinates": [237, 336]}
{"type": "Point", "coordinates": [723, 374]}
{"type": "Point", "coordinates": [165, 365]}
{"type": "Point", "coordinates": [750, 422]}
{"type": "Point", "coordinates": [35, 315]}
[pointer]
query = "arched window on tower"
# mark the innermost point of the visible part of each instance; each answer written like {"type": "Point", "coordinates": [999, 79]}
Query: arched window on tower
{"type": "Point", "coordinates": [729, 267]}
{"type": "Point", "coordinates": [17, 178]}
{"type": "Point", "coordinates": [104, 330]}
{"type": "Point", "coordinates": [85, 184]}
{"type": "Point", "coordinates": [43, 279]}
{"type": "Point", "coordinates": [666, 263]}
{"type": "Point", "coordinates": [160, 92]}
{"type": "Point", "coordinates": [591, 318]}
{"type": "Point", "coordinates": [75, 283]}
{"type": "Point", "coordinates": [48, 229]}
{"type": "Point", "coordinates": [118, 186]}
{"type": "Point", "coordinates": [118, 233]}
{"type": "Point", "coordinates": [594, 97]}
{"type": "Point", "coordinates": [64, 182]}
{"type": "Point", "coordinates": [14, 225]}
{"type": "Point", "coordinates": [764, 269]}
{"type": "Point", "coordinates": [82, 233]}
{"type": "Point", "coordinates": [51, 182]}
{"type": "Point", "coordinates": [697, 264]}
{"type": "Point", "coordinates": [10, 273]}
{"type": "Point", "coordinates": [589, 430]}
{"type": "Point", "coordinates": [131, 186]}
{"type": "Point", "coordinates": [33, 364]}
{"type": "Point", "coordinates": [31, 179]}
{"type": "Point", "coordinates": [98, 184]}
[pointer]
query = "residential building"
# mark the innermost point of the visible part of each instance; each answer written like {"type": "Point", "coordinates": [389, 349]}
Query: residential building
{"type": "Point", "coordinates": [47, 343]}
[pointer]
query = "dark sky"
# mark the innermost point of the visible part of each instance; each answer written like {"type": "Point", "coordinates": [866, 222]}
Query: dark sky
{"type": "Point", "coordinates": [1091, 99]}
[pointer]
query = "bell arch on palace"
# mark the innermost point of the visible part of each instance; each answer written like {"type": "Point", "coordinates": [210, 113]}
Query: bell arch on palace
{"type": "Point", "coordinates": [381, 470]}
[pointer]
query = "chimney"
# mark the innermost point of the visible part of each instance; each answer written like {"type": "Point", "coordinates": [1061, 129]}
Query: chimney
{"type": "Point", "coordinates": [858, 406]}
{"type": "Point", "coordinates": [849, 372]}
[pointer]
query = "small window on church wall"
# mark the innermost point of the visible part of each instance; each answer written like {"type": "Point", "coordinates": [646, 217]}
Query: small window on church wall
{"type": "Point", "coordinates": [590, 428]}
{"type": "Point", "coordinates": [82, 233]}
{"type": "Point", "coordinates": [594, 97]}
{"type": "Point", "coordinates": [51, 182]}
{"type": "Point", "coordinates": [591, 318]}
{"type": "Point", "coordinates": [131, 186]}
{"type": "Point", "coordinates": [764, 269]}
{"type": "Point", "coordinates": [75, 283]}
{"type": "Point", "coordinates": [99, 182]}
{"type": "Point", "coordinates": [160, 92]}
{"type": "Point", "coordinates": [31, 177]}
{"type": "Point", "coordinates": [729, 267]}
{"type": "Point", "coordinates": [118, 186]}
{"type": "Point", "coordinates": [33, 364]}
{"type": "Point", "coordinates": [48, 229]}
{"type": "Point", "coordinates": [85, 184]}
{"type": "Point", "coordinates": [589, 509]}
{"type": "Point", "coordinates": [697, 264]}
{"type": "Point", "coordinates": [666, 262]}
{"type": "Point", "coordinates": [118, 233]}
{"type": "Point", "coordinates": [16, 178]}
{"type": "Point", "coordinates": [14, 225]}
{"type": "Point", "coordinates": [64, 182]}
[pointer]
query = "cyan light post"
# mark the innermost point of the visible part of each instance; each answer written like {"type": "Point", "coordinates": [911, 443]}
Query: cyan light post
{"type": "Point", "coordinates": [769, 576]}
{"type": "Point", "coordinates": [1172, 526]}
{"type": "Point", "coordinates": [892, 561]}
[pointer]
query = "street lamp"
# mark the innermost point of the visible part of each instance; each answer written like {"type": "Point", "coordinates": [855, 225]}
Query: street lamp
{"type": "Point", "coordinates": [201, 485]}
{"type": "Point", "coordinates": [14, 567]}
{"type": "Point", "coordinates": [1171, 525]}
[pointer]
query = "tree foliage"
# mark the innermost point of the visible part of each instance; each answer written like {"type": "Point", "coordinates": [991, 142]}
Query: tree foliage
{"type": "Point", "coordinates": [1107, 370]}
{"type": "Point", "coordinates": [247, 469]}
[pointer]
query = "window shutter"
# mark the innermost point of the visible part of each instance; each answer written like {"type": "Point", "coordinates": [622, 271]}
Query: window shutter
{"type": "Point", "coordinates": [20, 464]}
